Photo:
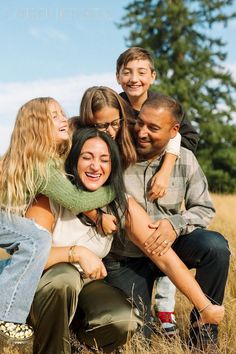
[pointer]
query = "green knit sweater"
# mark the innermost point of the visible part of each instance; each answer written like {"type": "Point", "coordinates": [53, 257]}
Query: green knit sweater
{"type": "Point", "coordinates": [63, 192]}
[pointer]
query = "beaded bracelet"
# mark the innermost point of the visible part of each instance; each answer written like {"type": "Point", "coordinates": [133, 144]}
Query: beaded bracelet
{"type": "Point", "coordinates": [71, 254]}
{"type": "Point", "coordinates": [204, 308]}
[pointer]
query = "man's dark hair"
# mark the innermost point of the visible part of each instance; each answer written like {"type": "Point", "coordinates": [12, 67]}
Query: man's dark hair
{"type": "Point", "coordinates": [158, 101]}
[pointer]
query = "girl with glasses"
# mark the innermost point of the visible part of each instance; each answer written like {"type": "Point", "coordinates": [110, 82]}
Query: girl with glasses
{"type": "Point", "coordinates": [104, 109]}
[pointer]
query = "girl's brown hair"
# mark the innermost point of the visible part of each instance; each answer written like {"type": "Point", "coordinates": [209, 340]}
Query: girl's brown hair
{"type": "Point", "coordinates": [96, 98]}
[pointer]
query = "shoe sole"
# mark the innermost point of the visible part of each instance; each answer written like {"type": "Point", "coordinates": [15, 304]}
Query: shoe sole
{"type": "Point", "coordinates": [10, 345]}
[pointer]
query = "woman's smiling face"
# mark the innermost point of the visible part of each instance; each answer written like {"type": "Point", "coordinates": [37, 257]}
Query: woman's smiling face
{"type": "Point", "coordinates": [94, 163]}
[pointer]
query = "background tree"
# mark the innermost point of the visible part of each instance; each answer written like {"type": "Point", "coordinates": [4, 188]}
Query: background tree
{"type": "Point", "coordinates": [189, 61]}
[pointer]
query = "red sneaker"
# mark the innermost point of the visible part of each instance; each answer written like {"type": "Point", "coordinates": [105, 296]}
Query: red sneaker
{"type": "Point", "coordinates": [168, 323]}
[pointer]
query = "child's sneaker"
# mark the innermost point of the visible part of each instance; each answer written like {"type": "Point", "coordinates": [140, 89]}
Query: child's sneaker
{"type": "Point", "coordinates": [16, 336]}
{"type": "Point", "coordinates": [168, 323]}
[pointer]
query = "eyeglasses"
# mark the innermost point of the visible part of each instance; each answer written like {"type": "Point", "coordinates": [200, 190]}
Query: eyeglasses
{"type": "Point", "coordinates": [115, 124]}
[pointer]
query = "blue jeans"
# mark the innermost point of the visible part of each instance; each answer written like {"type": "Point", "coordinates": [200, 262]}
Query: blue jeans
{"type": "Point", "coordinates": [206, 251]}
{"type": "Point", "coordinates": [29, 246]}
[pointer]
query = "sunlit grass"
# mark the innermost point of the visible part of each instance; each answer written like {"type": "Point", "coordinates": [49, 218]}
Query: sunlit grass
{"type": "Point", "coordinates": [225, 223]}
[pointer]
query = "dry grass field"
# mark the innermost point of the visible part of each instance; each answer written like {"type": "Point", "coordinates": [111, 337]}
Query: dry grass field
{"type": "Point", "coordinates": [225, 223]}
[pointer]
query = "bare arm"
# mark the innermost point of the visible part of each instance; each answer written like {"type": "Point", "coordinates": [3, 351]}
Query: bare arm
{"type": "Point", "coordinates": [91, 264]}
{"type": "Point", "coordinates": [137, 222]}
{"type": "Point", "coordinates": [160, 180]}
{"type": "Point", "coordinates": [41, 212]}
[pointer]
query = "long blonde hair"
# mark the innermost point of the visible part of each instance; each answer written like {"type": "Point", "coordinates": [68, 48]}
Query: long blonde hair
{"type": "Point", "coordinates": [31, 148]}
{"type": "Point", "coordinates": [96, 98]}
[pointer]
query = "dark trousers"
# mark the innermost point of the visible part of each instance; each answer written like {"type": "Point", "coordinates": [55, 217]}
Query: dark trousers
{"type": "Point", "coordinates": [102, 315]}
{"type": "Point", "coordinates": [206, 251]}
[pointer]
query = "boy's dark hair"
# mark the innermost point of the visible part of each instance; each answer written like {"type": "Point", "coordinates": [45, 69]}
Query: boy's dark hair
{"type": "Point", "coordinates": [157, 101]}
{"type": "Point", "coordinates": [134, 53]}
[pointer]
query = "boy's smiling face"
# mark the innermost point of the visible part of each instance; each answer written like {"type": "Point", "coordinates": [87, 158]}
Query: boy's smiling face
{"type": "Point", "coordinates": [135, 78]}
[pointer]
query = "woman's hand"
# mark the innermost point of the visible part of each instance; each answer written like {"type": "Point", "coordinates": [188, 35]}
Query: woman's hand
{"type": "Point", "coordinates": [212, 314]}
{"type": "Point", "coordinates": [91, 264]}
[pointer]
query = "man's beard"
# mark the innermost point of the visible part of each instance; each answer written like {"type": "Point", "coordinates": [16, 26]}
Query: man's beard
{"type": "Point", "coordinates": [149, 153]}
{"type": "Point", "coordinates": [146, 153]}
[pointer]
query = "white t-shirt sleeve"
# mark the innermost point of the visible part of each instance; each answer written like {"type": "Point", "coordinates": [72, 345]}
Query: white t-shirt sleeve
{"type": "Point", "coordinates": [173, 147]}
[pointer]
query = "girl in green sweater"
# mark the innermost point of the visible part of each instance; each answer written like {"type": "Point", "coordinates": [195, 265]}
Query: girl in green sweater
{"type": "Point", "coordinates": [32, 165]}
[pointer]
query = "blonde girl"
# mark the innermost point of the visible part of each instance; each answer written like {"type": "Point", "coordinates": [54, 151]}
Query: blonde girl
{"type": "Point", "coordinates": [32, 165]}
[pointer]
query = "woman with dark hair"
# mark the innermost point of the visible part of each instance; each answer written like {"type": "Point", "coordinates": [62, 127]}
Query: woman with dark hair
{"type": "Point", "coordinates": [102, 315]}
{"type": "Point", "coordinates": [72, 281]}
{"type": "Point", "coordinates": [116, 174]}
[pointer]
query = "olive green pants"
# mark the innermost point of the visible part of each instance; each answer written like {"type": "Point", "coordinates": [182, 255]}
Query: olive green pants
{"type": "Point", "coordinates": [102, 315]}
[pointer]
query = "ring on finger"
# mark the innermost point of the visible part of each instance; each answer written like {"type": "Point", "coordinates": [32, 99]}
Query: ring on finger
{"type": "Point", "coordinates": [165, 242]}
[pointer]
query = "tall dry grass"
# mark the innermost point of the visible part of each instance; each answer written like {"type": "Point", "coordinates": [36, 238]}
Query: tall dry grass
{"type": "Point", "coordinates": [225, 223]}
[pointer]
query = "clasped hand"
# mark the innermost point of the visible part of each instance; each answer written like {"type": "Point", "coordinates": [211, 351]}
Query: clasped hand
{"type": "Point", "coordinates": [158, 187]}
{"type": "Point", "coordinates": [90, 263]}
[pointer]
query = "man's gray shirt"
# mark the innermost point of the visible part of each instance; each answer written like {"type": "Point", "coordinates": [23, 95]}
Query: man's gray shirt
{"type": "Point", "coordinates": [187, 203]}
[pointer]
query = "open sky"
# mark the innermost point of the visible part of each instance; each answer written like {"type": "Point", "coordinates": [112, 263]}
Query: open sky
{"type": "Point", "coordinates": [60, 48]}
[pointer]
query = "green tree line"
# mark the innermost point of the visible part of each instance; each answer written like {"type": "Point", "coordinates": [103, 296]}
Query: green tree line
{"type": "Point", "coordinates": [190, 65]}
